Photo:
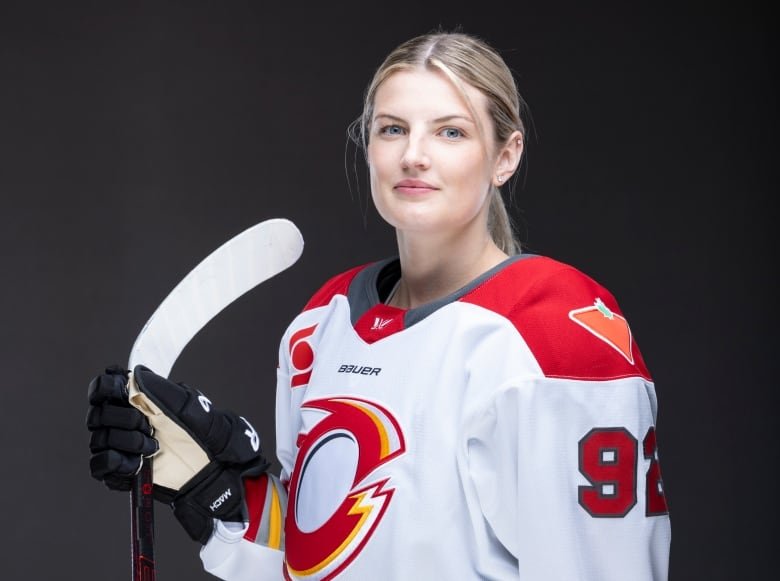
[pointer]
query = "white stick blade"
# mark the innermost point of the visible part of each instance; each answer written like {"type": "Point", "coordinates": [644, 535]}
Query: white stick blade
{"type": "Point", "coordinates": [240, 264]}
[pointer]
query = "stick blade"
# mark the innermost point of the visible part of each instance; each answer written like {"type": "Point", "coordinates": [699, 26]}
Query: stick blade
{"type": "Point", "coordinates": [239, 265]}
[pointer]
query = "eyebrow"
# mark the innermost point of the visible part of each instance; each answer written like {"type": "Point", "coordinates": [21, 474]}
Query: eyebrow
{"type": "Point", "coordinates": [437, 120]}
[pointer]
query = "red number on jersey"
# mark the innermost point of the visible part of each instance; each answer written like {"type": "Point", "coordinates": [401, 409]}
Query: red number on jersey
{"type": "Point", "coordinates": [656, 500]}
{"type": "Point", "coordinates": [608, 459]}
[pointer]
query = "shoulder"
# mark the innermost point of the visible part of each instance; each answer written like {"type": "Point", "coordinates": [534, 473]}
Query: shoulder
{"type": "Point", "coordinates": [572, 324]}
{"type": "Point", "coordinates": [336, 285]}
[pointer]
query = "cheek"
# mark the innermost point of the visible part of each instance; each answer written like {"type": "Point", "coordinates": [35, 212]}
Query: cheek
{"type": "Point", "coordinates": [471, 179]}
{"type": "Point", "coordinates": [375, 187]}
{"type": "Point", "coordinates": [377, 158]}
{"type": "Point", "coordinates": [380, 169]}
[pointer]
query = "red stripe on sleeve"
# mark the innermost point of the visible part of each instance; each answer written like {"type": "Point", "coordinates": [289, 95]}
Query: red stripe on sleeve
{"type": "Point", "coordinates": [255, 491]}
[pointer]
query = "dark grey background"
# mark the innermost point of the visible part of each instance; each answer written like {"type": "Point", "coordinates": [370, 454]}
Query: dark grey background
{"type": "Point", "coordinates": [135, 137]}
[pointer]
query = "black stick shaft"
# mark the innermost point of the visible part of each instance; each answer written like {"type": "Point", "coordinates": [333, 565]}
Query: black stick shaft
{"type": "Point", "coordinates": [142, 524]}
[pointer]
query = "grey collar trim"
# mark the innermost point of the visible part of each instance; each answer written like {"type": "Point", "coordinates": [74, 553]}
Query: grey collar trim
{"type": "Point", "coordinates": [363, 294]}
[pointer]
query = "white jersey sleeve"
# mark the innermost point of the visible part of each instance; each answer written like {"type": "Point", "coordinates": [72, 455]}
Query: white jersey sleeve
{"type": "Point", "coordinates": [563, 459]}
{"type": "Point", "coordinates": [229, 555]}
{"type": "Point", "coordinates": [564, 471]}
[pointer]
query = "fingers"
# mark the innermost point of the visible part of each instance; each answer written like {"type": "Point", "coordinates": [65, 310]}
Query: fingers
{"type": "Point", "coordinates": [132, 442]}
{"type": "Point", "coordinates": [109, 386]}
{"type": "Point", "coordinates": [112, 416]}
{"type": "Point", "coordinates": [112, 464]}
{"type": "Point", "coordinates": [120, 434]}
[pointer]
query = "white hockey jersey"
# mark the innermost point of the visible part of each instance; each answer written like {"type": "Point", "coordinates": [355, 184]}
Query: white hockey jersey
{"type": "Point", "coordinates": [504, 432]}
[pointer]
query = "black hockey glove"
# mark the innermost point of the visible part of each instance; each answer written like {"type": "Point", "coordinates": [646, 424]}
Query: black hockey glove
{"type": "Point", "coordinates": [204, 452]}
{"type": "Point", "coordinates": [121, 434]}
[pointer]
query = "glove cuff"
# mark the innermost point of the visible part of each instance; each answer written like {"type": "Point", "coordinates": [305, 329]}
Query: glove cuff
{"type": "Point", "coordinates": [215, 493]}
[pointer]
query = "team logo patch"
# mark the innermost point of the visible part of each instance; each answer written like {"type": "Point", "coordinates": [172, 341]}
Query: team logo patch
{"type": "Point", "coordinates": [301, 356]}
{"type": "Point", "coordinates": [607, 326]}
{"type": "Point", "coordinates": [380, 323]}
{"type": "Point", "coordinates": [334, 503]}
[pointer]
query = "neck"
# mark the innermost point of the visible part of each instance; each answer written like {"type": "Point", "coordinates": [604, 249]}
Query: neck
{"type": "Point", "coordinates": [434, 266]}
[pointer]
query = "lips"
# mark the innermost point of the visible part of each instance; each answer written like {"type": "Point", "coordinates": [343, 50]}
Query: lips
{"type": "Point", "coordinates": [411, 186]}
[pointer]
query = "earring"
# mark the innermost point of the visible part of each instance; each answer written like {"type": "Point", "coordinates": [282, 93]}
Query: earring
{"type": "Point", "coordinates": [500, 178]}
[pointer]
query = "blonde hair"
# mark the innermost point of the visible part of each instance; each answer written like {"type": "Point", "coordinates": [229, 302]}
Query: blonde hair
{"type": "Point", "coordinates": [462, 58]}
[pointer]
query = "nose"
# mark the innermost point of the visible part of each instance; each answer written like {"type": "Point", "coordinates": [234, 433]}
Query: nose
{"type": "Point", "coordinates": [414, 154]}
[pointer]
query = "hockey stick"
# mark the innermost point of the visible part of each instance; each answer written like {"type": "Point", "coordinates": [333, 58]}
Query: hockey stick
{"type": "Point", "coordinates": [240, 264]}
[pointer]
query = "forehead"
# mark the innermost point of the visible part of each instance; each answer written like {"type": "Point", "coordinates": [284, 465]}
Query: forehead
{"type": "Point", "coordinates": [422, 91]}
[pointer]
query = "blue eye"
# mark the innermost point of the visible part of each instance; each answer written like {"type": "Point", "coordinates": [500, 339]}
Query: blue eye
{"type": "Point", "coordinates": [452, 133]}
{"type": "Point", "coordinates": [391, 130]}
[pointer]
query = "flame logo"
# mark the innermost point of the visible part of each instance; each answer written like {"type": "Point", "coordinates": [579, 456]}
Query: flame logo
{"type": "Point", "coordinates": [325, 550]}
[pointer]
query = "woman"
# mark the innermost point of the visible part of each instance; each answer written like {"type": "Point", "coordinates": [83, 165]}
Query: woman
{"type": "Point", "coordinates": [462, 411]}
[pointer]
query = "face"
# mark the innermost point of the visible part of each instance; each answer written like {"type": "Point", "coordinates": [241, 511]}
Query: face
{"type": "Point", "coordinates": [430, 167]}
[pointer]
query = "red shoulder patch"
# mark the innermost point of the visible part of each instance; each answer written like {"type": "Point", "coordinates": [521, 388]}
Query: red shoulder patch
{"type": "Point", "coordinates": [571, 323]}
{"type": "Point", "coordinates": [338, 285]}
{"type": "Point", "coordinates": [610, 327]}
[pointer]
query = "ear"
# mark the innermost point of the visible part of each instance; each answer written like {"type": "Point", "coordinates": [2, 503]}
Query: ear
{"type": "Point", "coordinates": [508, 159]}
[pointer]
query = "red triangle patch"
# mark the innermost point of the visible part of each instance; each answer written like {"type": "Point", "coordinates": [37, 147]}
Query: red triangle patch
{"type": "Point", "coordinates": [607, 326]}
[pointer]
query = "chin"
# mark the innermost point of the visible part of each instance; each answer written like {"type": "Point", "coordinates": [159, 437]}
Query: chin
{"type": "Point", "coordinates": [413, 215]}
{"type": "Point", "coordinates": [412, 221]}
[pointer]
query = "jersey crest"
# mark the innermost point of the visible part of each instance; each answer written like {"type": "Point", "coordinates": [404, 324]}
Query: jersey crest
{"type": "Point", "coordinates": [322, 541]}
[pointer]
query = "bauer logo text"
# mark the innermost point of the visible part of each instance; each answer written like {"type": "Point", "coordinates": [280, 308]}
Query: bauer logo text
{"type": "Point", "coordinates": [360, 369]}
